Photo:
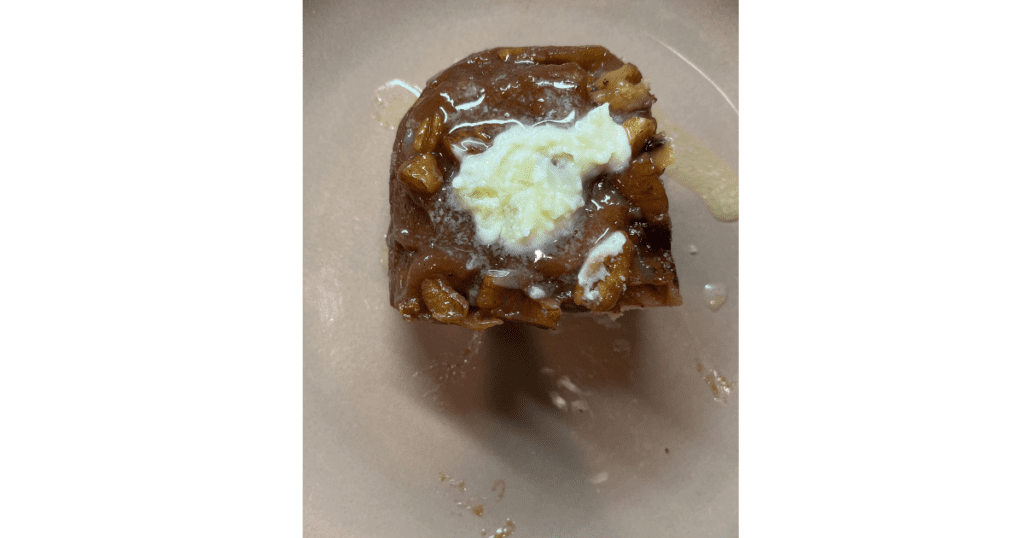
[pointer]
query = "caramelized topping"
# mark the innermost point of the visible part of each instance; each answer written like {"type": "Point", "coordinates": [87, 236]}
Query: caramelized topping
{"type": "Point", "coordinates": [439, 269]}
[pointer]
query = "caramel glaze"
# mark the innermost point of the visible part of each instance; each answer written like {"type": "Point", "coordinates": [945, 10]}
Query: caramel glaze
{"type": "Point", "coordinates": [478, 98]}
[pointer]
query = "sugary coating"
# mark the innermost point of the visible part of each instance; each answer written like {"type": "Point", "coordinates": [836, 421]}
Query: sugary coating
{"type": "Point", "coordinates": [440, 271]}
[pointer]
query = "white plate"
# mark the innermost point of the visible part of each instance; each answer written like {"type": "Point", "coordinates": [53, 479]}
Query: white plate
{"type": "Point", "coordinates": [427, 430]}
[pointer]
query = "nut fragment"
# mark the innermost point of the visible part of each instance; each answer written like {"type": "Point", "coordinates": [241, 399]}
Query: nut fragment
{"type": "Point", "coordinates": [505, 54]}
{"type": "Point", "coordinates": [470, 140]}
{"type": "Point", "coordinates": [478, 322]}
{"type": "Point", "coordinates": [421, 173]}
{"type": "Point", "coordinates": [662, 156]}
{"type": "Point", "coordinates": [627, 74]}
{"type": "Point", "coordinates": [449, 306]}
{"type": "Point", "coordinates": [429, 133]}
{"type": "Point", "coordinates": [639, 130]}
{"type": "Point", "coordinates": [410, 307]}
{"type": "Point", "coordinates": [446, 305]}
{"type": "Point", "coordinates": [642, 185]}
{"type": "Point", "coordinates": [625, 97]}
{"type": "Point", "coordinates": [516, 306]}
{"type": "Point", "coordinates": [645, 295]}
{"type": "Point", "coordinates": [490, 293]}
{"type": "Point", "coordinates": [623, 89]}
{"type": "Point", "coordinates": [612, 285]}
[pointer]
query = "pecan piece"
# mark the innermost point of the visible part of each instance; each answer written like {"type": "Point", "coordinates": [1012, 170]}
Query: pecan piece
{"type": "Point", "coordinates": [446, 305]}
{"type": "Point", "coordinates": [610, 273]}
{"type": "Point", "coordinates": [421, 174]}
{"type": "Point", "coordinates": [478, 322]}
{"type": "Point", "coordinates": [623, 89]}
{"type": "Point", "coordinates": [642, 185]}
{"type": "Point", "coordinates": [490, 293]}
{"type": "Point", "coordinates": [516, 306]}
{"type": "Point", "coordinates": [410, 307]}
{"type": "Point", "coordinates": [639, 130]}
{"type": "Point", "coordinates": [429, 133]}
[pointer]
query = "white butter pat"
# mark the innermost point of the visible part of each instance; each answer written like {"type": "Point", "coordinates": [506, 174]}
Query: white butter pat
{"type": "Point", "coordinates": [593, 270]}
{"type": "Point", "coordinates": [524, 190]}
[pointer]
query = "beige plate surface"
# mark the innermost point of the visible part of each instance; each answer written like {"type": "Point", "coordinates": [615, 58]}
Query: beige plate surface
{"type": "Point", "coordinates": [624, 428]}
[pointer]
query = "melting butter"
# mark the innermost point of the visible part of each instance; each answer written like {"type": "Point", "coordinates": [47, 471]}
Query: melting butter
{"type": "Point", "coordinates": [593, 270]}
{"type": "Point", "coordinates": [525, 188]}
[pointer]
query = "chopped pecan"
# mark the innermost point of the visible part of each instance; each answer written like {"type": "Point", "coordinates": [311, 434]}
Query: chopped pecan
{"type": "Point", "coordinates": [428, 133]}
{"type": "Point", "coordinates": [642, 185]}
{"type": "Point", "coordinates": [623, 89]}
{"type": "Point", "coordinates": [627, 74]}
{"type": "Point", "coordinates": [421, 174]}
{"type": "Point", "coordinates": [625, 97]}
{"type": "Point", "coordinates": [510, 52]}
{"type": "Point", "coordinates": [472, 140]}
{"type": "Point", "coordinates": [477, 321]}
{"type": "Point", "coordinates": [490, 293]}
{"type": "Point", "coordinates": [645, 295]}
{"type": "Point", "coordinates": [410, 307]}
{"type": "Point", "coordinates": [662, 156]}
{"type": "Point", "coordinates": [516, 306]}
{"type": "Point", "coordinates": [609, 288]}
{"type": "Point", "coordinates": [446, 305]}
{"type": "Point", "coordinates": [639, 130]}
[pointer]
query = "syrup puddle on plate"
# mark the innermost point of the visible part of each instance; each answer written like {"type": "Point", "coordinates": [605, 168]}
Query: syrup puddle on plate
{"type": "Point", "coordinates": [392, 100]}
{"type": "Point", "coordinates": [719, 385]}
{"type": "Point", "coordinates": [700, 170]}
{"type": "Point", "coordinates": [715, 295]}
